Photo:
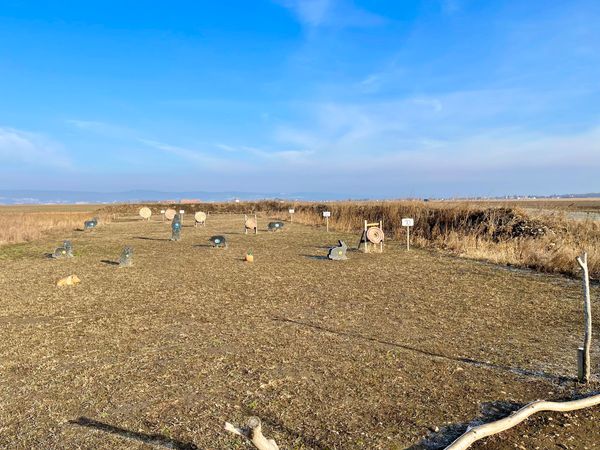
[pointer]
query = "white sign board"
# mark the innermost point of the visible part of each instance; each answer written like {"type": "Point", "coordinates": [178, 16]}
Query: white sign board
{"type": "Point", "coordinates": [162, 211]}
{"type": "Point", "coordinates": [326, 213]}
{"type": "Point", "coordinates": [181, 211]}
{"type": "Point", "coordinates": [291, 210]}
{"type": "Point", "coordinates": [408, 222]}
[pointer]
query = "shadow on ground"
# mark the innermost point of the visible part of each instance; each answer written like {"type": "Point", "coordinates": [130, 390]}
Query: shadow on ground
{"type": "Point", "coordinates": [490, 411]}
{"type": "Point", "coordinates": [538, 374]}
{"type": "Point", "coordinates": [152, 439]}
{"type": "Point", "coordinates": [109, 262]}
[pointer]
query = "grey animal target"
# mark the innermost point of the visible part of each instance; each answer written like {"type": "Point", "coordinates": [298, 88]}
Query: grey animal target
{"type": "Point", "coordinates": [176, 228]}
{"type": "Point", "coordinates": [66, 251]}
{"type": "Point", "coordinates": [275, 226]}
{"type": "Point", "coordinates": [338, 253]}
{"type": "Point", "coordinates": [89, 224]}
{"type": "Point", "coordinates": [126, 258]}
{"type": "Point", "coordinates": [218, 241]}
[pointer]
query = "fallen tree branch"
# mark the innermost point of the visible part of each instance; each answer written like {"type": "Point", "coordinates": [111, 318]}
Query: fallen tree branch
{"type": "Point", "coordinates": [488, 429]}
{"type": "Point", "coordinates": [253, 432]}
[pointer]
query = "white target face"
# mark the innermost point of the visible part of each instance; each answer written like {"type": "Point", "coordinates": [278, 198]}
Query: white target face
{"type": "Point", "coordinates": [326, 213]}
{"type": "Point", "coordinates": [145, 212]}
{"type": "Point", "coordinates": [170, 214]}
{"type": "Point", "coordinates": [200, 216]}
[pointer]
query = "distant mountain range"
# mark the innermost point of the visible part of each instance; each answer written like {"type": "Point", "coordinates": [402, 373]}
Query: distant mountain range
{"type": "Point", "coordinates": [12, 197]}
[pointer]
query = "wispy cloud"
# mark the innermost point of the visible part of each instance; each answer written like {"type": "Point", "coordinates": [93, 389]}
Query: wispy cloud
{"type": "Point", "coordinates": [182, 152]}
{"type": "Point", "coordinates": [101, 128]}
{"type": "Point", "coordinates": [331, 13]}
{"type": "Point", "coordinates": [24, 147]}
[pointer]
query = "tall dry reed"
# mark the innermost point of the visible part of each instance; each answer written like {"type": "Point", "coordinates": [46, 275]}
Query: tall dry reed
{"type": "Point", "coordinates": [24, 226]}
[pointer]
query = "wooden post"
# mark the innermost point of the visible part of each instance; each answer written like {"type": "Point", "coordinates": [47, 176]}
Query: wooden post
{"type": "Point", "coordinates": [327, 223]}
{"type": "Point", "coordinates": [256, 224]}
{"type": "Point", "coordinates": [583, 353]}
{"type": "Point", "coordinates": [245, 220]}
{"type": "Point", "coordinates": [407, 238]}
{"type": "Point", "coordinates": [381, 243]}
{"type": "Point", "coordinates": [365, 238]}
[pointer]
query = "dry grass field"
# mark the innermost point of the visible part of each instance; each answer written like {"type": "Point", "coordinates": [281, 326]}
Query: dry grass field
{"type": "Point", "coordinates": [25, 223]}
{"type": "Point", "coordinates": [382, 351]}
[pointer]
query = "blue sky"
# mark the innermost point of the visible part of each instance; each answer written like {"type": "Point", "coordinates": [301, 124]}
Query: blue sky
{"type": "Point", "coordinates": [359, 98]}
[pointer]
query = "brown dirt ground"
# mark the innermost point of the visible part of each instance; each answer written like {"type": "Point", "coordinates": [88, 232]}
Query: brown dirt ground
{"type": "Point", "coordinates": [394, 350]}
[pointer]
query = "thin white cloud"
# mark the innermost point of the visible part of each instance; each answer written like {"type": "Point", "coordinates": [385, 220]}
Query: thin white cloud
{"type": "Point", "coordinates": [331, 13]}
{"type": "Point", "coordinates": [185, 153]}
{"type": "Point", "coordinates": [24, 147]}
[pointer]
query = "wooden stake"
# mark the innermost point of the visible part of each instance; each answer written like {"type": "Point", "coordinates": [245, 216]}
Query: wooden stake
{"type": "Point", "coordinates": [583, 353]}
{"type": "Point", "coordinates": [407, 238]}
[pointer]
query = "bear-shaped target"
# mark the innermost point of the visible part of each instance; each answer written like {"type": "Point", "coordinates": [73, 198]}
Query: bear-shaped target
{"type": "Point", "coordinates": [176, 228]}
{"type": "Point", "coordinates": [126, 258]}
{"type": "Point", "coordinates": [66, 251]}
{"type": "Point", "coordinates": [89, 224]}
{"type": "Point", "coordinates": [218, 241]}
{"type": "Point", "coordinates": [275, 226]}
{"type": "Point", "coordinates": [338, 253]}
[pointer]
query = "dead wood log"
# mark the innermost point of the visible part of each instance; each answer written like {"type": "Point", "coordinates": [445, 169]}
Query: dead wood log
{"type": "Point", "coordinates": [253, 432]}
{"type": "Point", "coordinates": [481, 431]}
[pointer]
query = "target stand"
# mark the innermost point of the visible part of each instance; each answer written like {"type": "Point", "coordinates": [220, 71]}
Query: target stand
{"type": "Point", "coordinates": [250, 223]}
{"type": "Point", "coordinates": [372, 236]}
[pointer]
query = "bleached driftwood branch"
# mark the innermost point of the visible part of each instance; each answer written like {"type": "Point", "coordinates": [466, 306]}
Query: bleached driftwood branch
{"type": "Point", "coordinates": [583, 353]}
{"type": "Point", "coordinates": [253, 432]}
{"type": "Point", "coordinates": [488, 429]}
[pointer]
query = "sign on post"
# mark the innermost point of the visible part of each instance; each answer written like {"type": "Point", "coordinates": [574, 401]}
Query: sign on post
{"type": "Point", "coordinates": [291, 211]}
{"type": "Point", "coordinates": [327, 215]}
{"type": "Point", "coordinates": [408, 222]}
{"type": "Point", "coordinates": [162, 211]}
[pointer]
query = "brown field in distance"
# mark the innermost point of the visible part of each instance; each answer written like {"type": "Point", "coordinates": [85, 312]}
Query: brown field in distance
{"type": "Point", "coordinates": [383, 351]}
{"type": "Point", "coordinates": [23, 223]}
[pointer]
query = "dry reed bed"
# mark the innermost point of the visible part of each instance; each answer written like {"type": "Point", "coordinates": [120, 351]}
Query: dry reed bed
{"type": "Point", "coordinates": [499, 234]}
{"type": "Point", "coordinates": [24, 226]}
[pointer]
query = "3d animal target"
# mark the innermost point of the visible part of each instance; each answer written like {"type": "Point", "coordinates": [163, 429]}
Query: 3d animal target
{"type": "Point", "coordinates": [275, 226]}
{"type": "Point", "coordinates": [176, 228]}
{"type": "Point", "coordinates": [218, 241]}
{"type": "Point", "coordinates": [90, 224]}
{"type": "Point", "coordinates": [66, 251]}
{"type": "Point", "coordinates": [126, 258]}
{"type": "Point", "coordinates": [338, 253]}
